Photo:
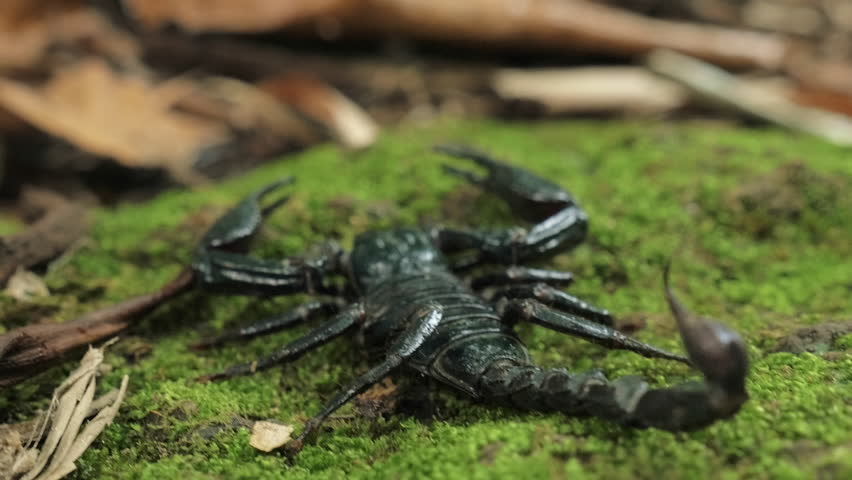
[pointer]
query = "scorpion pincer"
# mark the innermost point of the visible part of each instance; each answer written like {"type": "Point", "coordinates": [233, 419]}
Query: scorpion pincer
{"type": "Point", "coordinates": [402, 295]}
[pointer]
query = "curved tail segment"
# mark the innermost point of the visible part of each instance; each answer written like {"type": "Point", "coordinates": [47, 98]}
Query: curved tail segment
{"type": "Point", "coordinates": [718, 352]}
{"type": "Point", "coordinates": [559, 223]}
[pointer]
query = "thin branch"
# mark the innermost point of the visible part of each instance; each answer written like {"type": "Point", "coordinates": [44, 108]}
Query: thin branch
{"type": "Point", "coordinates": [47, 238]}
{"type": "Point", "coordinates": [748, 97]}
{"type": "Point", "coordinates": [32, 348]}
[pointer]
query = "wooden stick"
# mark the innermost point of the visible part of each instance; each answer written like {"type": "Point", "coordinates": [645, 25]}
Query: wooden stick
{"type": "Point", "coordinates": [754, 99]}
{"type": "Point", "coordinates": [30, 349]}
{"type": "Point", "coordinates": [526, 25]}
{"type": "Point", "coordinates": [51, 235]}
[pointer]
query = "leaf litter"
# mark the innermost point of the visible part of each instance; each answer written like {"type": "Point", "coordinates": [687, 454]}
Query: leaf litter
{"type": "Point", "coordinates": [58, 437]}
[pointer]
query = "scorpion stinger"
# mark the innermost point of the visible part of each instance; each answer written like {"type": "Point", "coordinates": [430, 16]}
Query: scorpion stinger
{"type": "Point", "coordinates": [715, 350]}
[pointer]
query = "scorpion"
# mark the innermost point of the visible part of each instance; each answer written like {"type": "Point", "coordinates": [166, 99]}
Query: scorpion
{"type": "Point", "coordinates": [402, 296]}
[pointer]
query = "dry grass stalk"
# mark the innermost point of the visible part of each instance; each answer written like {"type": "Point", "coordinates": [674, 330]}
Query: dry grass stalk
{"type": "Point", "coordinates": [63, 432]}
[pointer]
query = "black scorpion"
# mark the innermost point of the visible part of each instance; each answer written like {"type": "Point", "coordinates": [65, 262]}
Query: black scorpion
{"type": "Point", "coordinates": [403, 298]}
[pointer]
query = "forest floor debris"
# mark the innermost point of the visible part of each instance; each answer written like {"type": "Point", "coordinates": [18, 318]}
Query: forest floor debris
{"type": "Point", "coordinates": [47, 447]}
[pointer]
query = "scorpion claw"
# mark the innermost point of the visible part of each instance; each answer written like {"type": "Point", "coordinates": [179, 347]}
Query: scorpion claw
{"type": "Point", "coordinates": [242, 221]}
{"type": "Point", "coordinates": [529, 195]}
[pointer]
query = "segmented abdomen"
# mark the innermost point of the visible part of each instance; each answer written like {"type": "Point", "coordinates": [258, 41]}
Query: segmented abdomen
{"type": "Point", "coordinates": [469, 338]}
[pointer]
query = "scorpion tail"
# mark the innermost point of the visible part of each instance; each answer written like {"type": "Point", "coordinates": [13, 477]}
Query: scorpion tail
{"type": "Point", "coordinates": [714, 349]}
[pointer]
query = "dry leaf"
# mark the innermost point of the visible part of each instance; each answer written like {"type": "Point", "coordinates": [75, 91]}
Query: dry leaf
{"type": "Point", "coordinates": [347, 122]}
{"type": "Point", "coordinates": [528, 25]}
{"type": "Point", "coordinates": [247, 107]}
{"type": "Point", "coordinates": [11, 448]}
{"type": "Point", "coordinates": [73, 402]}
{"type": "Point", "coordinates": [30, 29]}
{"type": "Point", "coordinates": [26, 286]}
{"type": "Point", "coordinates": [267, 436]}
{"type": "Point", "coordinates": [128, 118]}
{"type": "Point", "coordinates": [227, 15]}
{"type": "Point", "coordinates": [751, 97]}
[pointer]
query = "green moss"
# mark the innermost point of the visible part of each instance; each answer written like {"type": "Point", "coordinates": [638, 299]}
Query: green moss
{"type": "Point", "coordinates": [9, 226]}
{"type": "Point", "coordinates": [844, 342]}
{"type": "Point", "coordinates": [650, 189]}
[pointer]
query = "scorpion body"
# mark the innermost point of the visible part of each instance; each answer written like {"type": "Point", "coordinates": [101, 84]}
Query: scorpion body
{"type": "Point", "coordinates": [470, 334]}
{"type": "Point", "coordinates": [404, 299]}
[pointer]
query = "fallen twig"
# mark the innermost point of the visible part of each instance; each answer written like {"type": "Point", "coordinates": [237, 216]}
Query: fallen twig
{"type": "Point", "coordinates": [344, 120]}
{"type": "Point", "coordinates": [30, 349]}
{"type": "Point", "coordinates": [59, 228]}
{"type": "Point", "coordinates": [754, 99]}
{"type": "Point", "coordinates": [817, 75]}
{"type": "Point", "coordinates": [591, 89]}
{"type": "Point", "coordinates": [385, 87]}
{"type": "Point", "coordinates": [32, 31]}
{"type": "Point", "coordinates": [555, 25]}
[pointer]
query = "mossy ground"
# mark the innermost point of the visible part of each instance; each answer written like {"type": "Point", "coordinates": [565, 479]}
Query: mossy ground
{"type": "Point", "coordinates": [650, 189]}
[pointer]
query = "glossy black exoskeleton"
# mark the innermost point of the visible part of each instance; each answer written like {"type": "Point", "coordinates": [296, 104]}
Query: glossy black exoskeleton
{"type": "Point", "coordinates": [404, 298]}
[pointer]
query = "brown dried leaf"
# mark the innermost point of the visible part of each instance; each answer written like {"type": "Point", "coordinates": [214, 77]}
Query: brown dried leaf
{"type": "Point", "coordinates": [347, 122]}
{"type": "Point", "coordinates": [227, 15]}
{"type": "Point", "coordinates": [247, 107]}
{"type": "Point", "coordinates": [128, 118]}
{"type": "Point", "coordinates": [30, 29]}
{"type": "Point", "coordinates": [528, 25]}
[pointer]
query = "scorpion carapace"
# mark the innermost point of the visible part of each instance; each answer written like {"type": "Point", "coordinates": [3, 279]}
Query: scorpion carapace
{"type": "Point", "coordinates": [404, 298]}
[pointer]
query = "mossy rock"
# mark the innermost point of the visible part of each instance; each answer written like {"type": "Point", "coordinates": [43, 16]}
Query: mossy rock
{"type": "Point", "coordinates": [651, 189]}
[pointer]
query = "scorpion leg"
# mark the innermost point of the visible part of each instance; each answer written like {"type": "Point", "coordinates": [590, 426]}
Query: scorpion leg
{"type": "Point", "coordinates": [331, 329]}
{"type": "Point", "coordinates": [515, 274]}
{"type": "Point", "coordinates": [534, 311]}
{"type": "Point", "coordinates": [421, 324]}
{"type": "Point", "coordinates": [221, 266]}
{"type": "Point", "coordinates": [559, 222]}
{"type": "Point", "coordinates": [557, 299]}
{"type": "Point", "coordinates": [276, 323]}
